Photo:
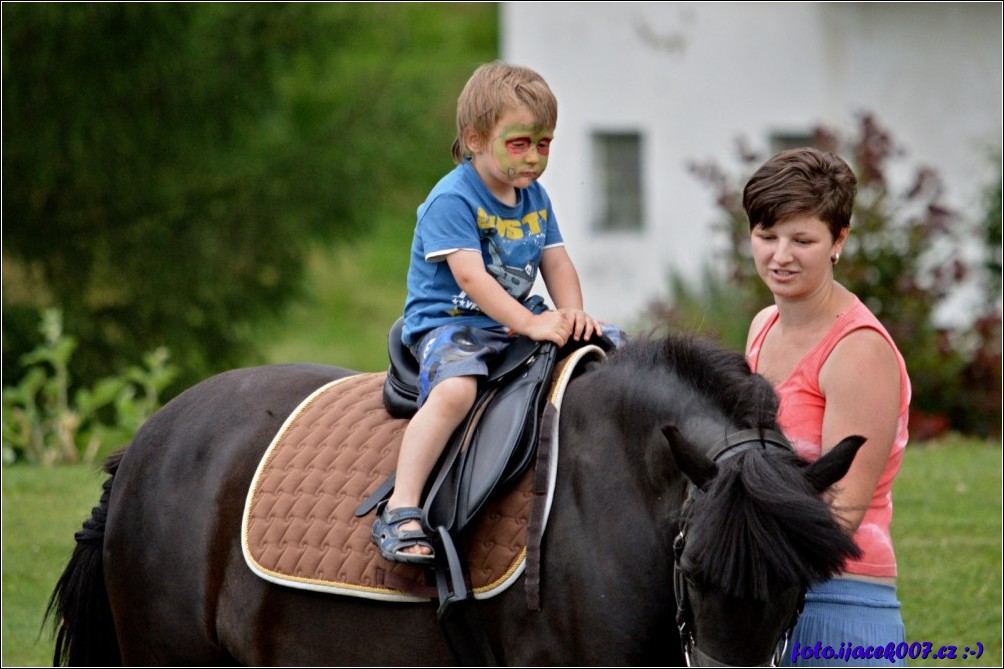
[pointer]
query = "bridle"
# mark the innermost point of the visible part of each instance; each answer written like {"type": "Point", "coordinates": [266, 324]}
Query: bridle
{"type": "Point", "coordinates": [733, 444]}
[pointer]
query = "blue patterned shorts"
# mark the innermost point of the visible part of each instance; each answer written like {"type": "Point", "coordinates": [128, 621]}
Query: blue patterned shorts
{"type": "Point", "coordinates": [462, 350]}
{"type": "Point", "coordinates": [456, 350]}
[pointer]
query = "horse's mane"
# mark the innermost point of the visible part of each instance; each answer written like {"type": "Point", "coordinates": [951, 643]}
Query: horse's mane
{"type": "Point", "coordinates": [759, 526]}
{"type": "Point", "coordinates": [721, 375]}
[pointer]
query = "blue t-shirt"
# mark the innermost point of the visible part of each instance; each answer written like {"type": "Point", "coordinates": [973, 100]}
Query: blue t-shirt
{"type": "Point", "coordinates": [461, 213]}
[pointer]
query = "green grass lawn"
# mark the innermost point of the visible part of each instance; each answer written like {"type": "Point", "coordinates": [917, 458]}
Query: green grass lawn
{"type": "Point", "coordinates": [42, 509]}
{"type": "Point", "coordinates": [947, 529]}
{"type": "Point", "coordinates": [947, 533]}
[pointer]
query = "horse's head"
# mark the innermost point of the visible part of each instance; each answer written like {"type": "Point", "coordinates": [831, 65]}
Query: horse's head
{"type": "Point", "coordinates": [754, 534]}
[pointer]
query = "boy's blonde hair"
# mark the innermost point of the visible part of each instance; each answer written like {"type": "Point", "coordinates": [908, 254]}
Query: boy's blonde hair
{"type": "Point", "coordinates": [494, 89]}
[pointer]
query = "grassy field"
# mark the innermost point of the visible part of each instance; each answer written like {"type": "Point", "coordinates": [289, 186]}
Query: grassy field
{"type": "Point", "coordinates": [42, 508]}
{"type": "Point", "coordinates": [947, 533]}
{"type": "Point", "coordinates": [947, 530]}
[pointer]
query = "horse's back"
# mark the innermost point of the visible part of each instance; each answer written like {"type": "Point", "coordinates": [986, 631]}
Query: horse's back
{"type": "Point", "coordinates": [172, 540]}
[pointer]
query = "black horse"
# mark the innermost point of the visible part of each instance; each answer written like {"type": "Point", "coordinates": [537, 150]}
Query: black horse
{"type": "Point", "coordinates": [653, 549]}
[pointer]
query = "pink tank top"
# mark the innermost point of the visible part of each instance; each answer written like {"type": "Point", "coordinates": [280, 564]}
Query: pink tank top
{"type": "Point", "coordinates": [801, 419]}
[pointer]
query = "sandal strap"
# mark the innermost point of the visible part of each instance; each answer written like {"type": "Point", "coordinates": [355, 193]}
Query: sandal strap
{"type": "Point", "coordinates": [410, 536]}
{"type": "Point", "coordinates": [401, 515]}
{"type": "Point", "coordinates": [391, 539]}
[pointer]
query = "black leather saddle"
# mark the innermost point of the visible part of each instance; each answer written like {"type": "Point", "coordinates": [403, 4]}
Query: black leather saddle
{"type": "Point", "coordinates": [493, 446]}
{"type": "Point", "coordinates": [400, 392]}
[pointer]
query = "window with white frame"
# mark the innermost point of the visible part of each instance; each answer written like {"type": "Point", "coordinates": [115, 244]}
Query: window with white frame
{"type": "Point", "coordinates": [616, 159]}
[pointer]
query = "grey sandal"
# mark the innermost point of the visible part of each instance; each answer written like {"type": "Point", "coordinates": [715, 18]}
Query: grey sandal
{"type": "Point", "coordinates": [390, 538]}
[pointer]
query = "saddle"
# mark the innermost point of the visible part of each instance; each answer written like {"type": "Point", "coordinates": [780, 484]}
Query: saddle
{"type": "Point", "coordinates": [494, 446]}
{"type": "Point", "coordinates": [319, 473]}
{"type": "Point", "coordinates": [495, 443]}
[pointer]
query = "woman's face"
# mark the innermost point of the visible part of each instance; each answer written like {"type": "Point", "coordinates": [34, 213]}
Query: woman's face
{"type": "Point", "coordinates": [793, 257]}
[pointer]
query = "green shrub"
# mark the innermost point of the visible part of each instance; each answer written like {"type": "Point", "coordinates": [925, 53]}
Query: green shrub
{"type": "Point", "coordinates": [42, 424]}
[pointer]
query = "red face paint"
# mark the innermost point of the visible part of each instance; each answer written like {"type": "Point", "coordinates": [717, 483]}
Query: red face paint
{"type": "Point", "coordinates": [520, 145]}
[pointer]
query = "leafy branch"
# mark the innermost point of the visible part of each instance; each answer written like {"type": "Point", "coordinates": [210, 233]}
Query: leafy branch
{"type": "Point", "coordinates": [43, 424]}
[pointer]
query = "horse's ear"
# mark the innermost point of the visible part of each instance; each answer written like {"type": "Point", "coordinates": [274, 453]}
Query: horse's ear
{"type": "Point", "coordinates": [695, 465]}
{"type": "Point", "coordinates": [830, 468]}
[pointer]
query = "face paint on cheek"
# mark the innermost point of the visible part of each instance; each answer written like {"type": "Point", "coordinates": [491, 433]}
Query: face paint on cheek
{"type": "Point", "coordinates": [509, 154]}
{"type": "Point", "coordinates": [510, 150]}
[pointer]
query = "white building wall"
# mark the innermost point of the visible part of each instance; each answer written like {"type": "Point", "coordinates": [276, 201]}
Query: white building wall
{"type": "Point", "coordinates": [694, 77]}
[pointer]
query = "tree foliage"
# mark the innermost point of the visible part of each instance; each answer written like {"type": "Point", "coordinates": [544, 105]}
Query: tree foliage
{"type": "Point", "coordinates": [167, 165]}
{"type": "Point", "coordinates": [906, 254]}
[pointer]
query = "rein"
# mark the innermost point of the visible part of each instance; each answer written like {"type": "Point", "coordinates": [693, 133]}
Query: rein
{"type": "Point", "coordinates": [733, 444]}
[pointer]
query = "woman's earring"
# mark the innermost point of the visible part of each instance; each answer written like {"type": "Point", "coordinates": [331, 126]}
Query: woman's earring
{"type": "Point", "coordinates": [835, 258]}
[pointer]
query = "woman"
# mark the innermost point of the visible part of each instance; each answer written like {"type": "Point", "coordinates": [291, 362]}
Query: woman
{"type": "Point", "coordinates": [837, 372]}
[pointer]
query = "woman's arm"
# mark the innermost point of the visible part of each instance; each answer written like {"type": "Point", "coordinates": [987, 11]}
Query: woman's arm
{"type": "Point", "coordinates": [861, 383]}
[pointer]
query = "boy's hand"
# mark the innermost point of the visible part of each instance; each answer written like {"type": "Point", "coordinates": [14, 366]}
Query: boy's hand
{"type": "Point", "coordinates": [553, 326]}
{"type": "Point", "coordinates": [582, 324]}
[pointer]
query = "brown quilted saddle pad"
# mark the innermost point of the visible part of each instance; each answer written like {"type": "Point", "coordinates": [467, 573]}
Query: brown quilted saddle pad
{"type": "Point", "coordinates": [300, 529]}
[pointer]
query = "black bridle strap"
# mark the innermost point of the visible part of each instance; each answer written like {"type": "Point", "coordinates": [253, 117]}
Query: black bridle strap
{"type": "Point", "coordinates": [745, 440]}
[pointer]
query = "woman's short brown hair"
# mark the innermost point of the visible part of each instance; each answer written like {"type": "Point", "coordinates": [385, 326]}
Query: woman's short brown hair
{"type": "Point", "coordinates": [801, 182]}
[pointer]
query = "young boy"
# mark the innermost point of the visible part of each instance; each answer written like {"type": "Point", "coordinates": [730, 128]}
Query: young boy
{"type": "Point", "coordinates": [482, 235]}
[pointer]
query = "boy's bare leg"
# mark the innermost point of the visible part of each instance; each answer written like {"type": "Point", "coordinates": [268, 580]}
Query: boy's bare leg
{"type": "Point", "coordinates": [424, 441]}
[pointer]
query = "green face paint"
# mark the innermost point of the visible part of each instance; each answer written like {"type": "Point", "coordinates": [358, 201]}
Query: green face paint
{"type": "Point", "coordinates": [520, 148]}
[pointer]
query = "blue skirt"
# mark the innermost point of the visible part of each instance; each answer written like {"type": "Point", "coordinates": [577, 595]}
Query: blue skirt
{"type": "Point", "coordinates": [848, 623]}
